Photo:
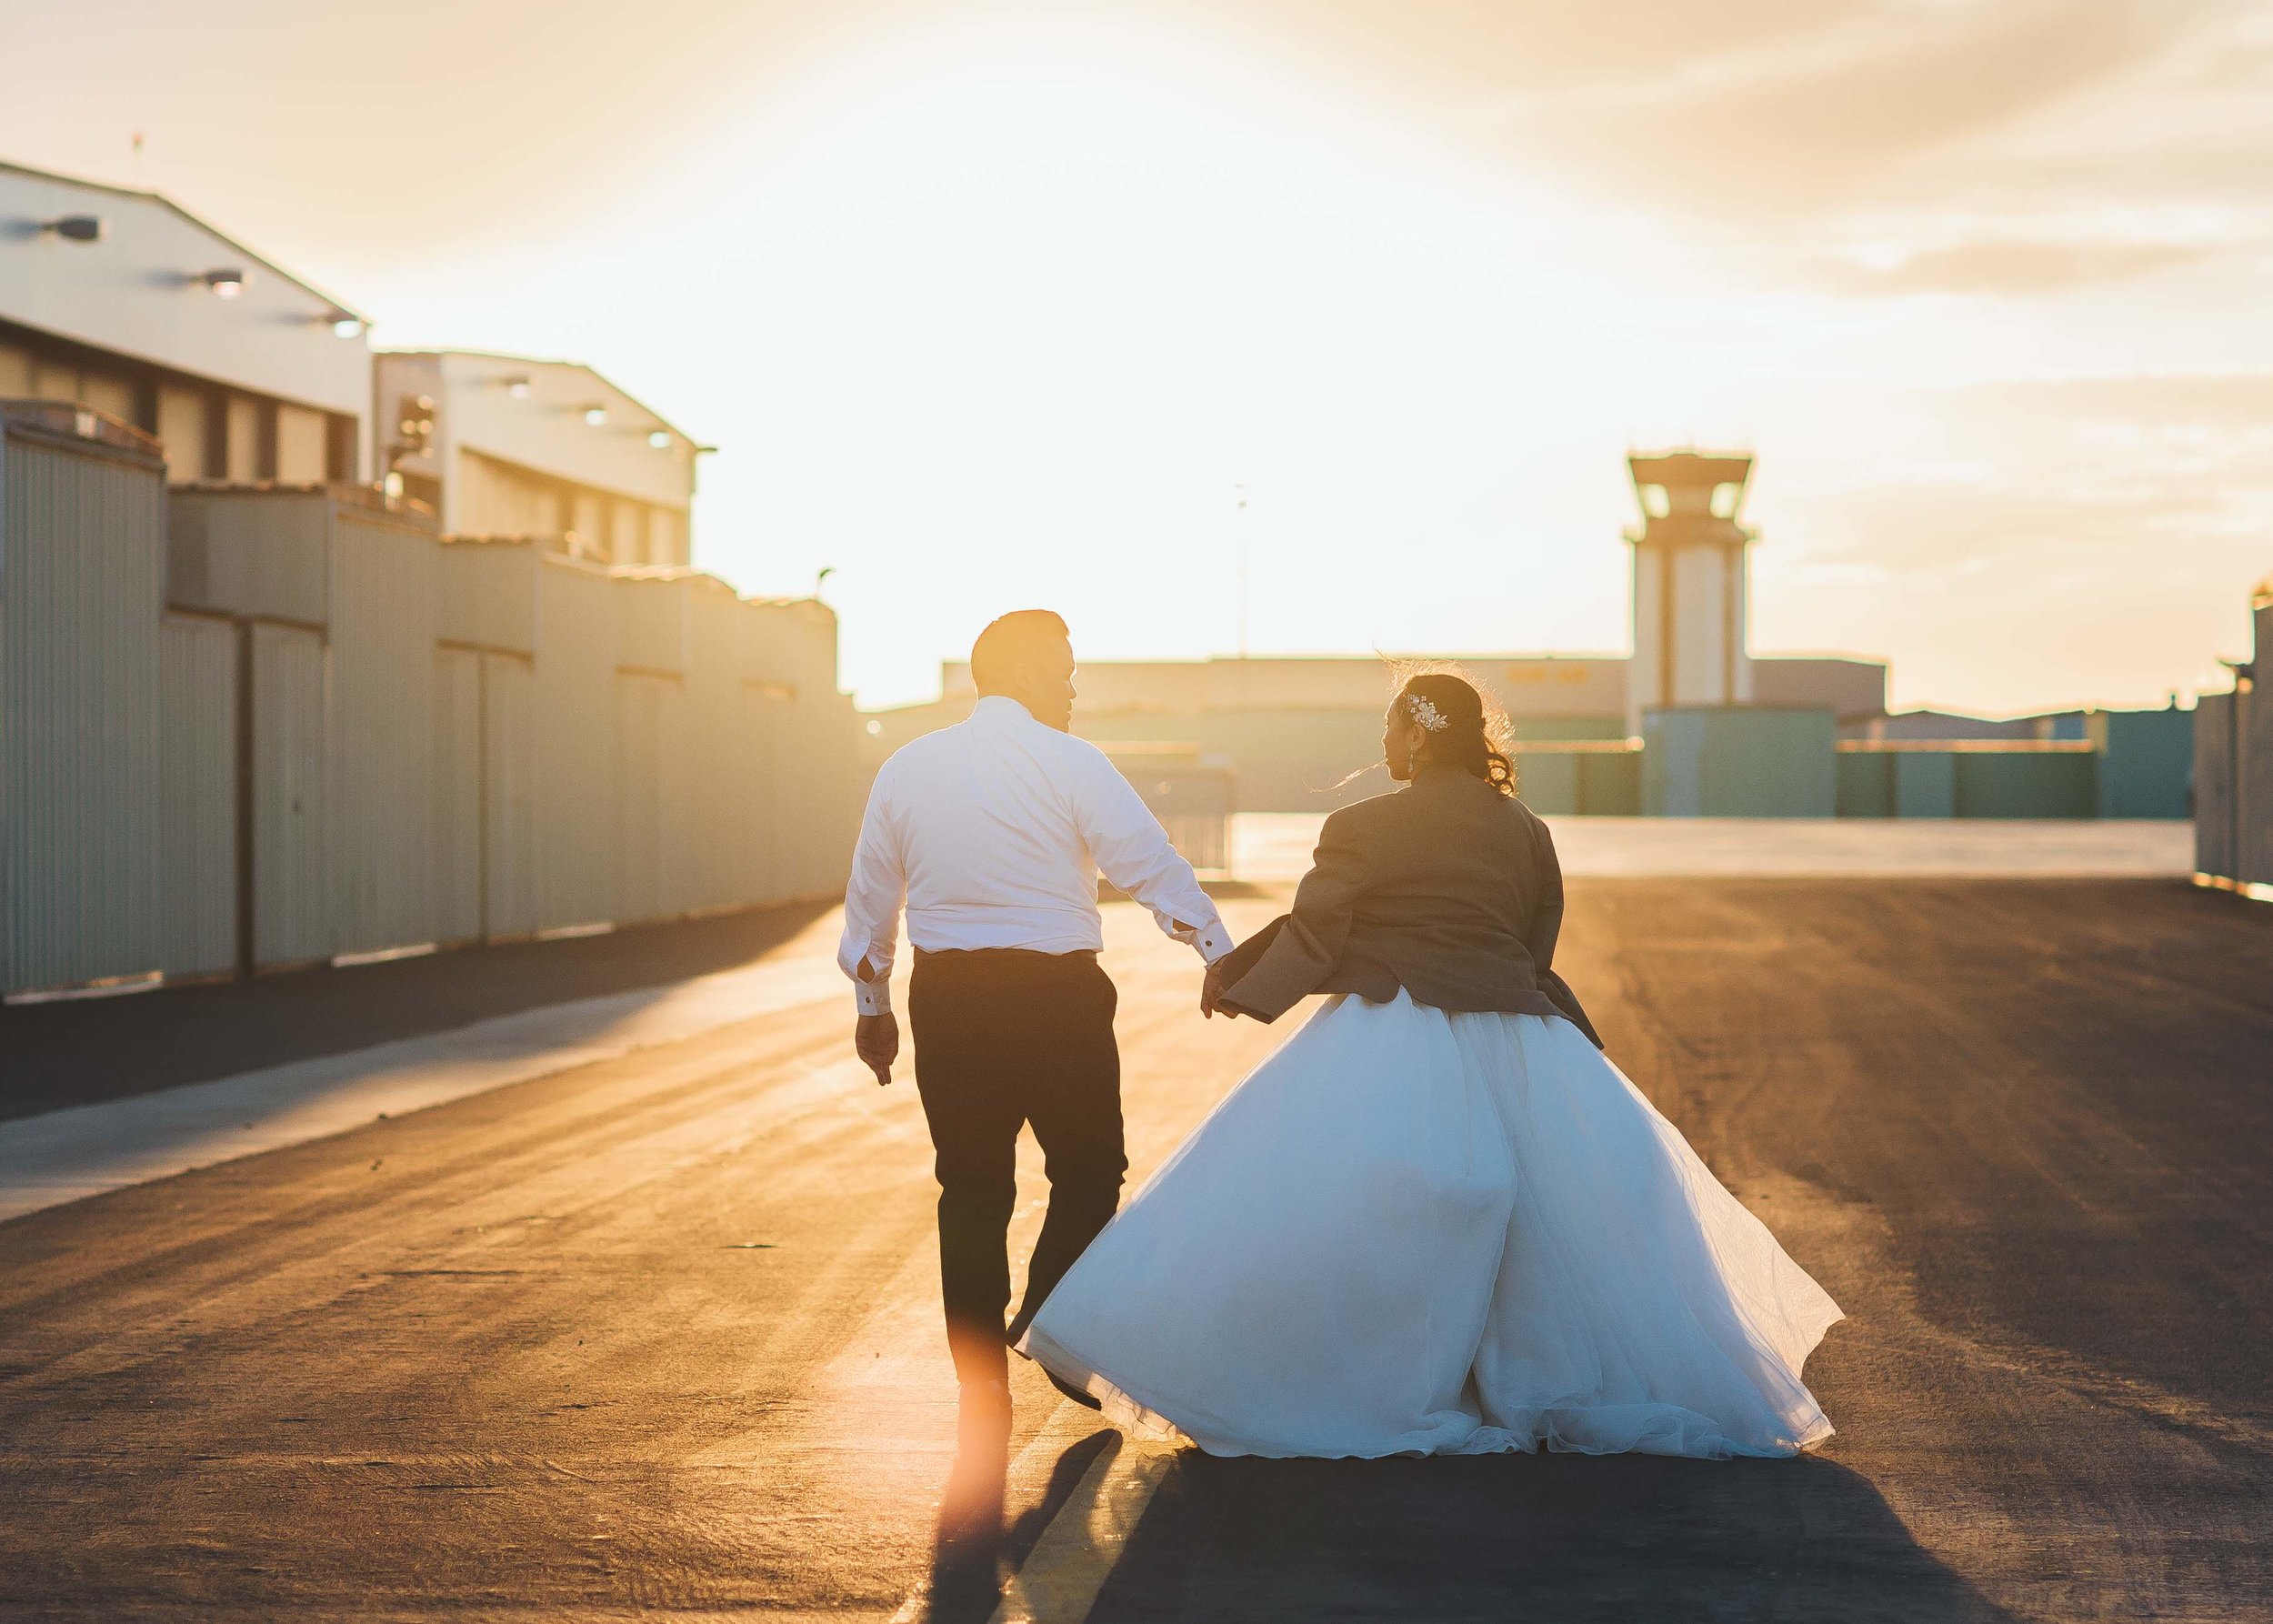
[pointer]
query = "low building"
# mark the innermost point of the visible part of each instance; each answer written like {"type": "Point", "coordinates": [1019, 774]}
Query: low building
{"type": "Point", "coordinates": [125, 303]}
{"type": "Point", "coordinates": [545, 451]}
{"type": "Point", "coordinates": [1301, 735]}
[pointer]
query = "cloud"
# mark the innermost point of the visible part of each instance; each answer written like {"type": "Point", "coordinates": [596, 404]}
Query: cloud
{"type": "Point", "coordinates": [1762, 107]}
{"type": "Point", "coordinates": [1828, 121]}
{"type": "Point", "coordinates": [2238, 402]}
{"type": "Point", "coordinates": [2008, 267]}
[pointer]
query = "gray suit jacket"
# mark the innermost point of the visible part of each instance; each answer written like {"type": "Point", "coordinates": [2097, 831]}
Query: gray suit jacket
{"type": "Point", "coordinates": [1446, 888]}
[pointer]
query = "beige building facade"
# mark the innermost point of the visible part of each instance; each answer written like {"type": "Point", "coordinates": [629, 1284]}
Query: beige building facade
{"type": "Point", "coordinates": [548, 451]}
{"type": "Point", "coordinates": [124, 302]}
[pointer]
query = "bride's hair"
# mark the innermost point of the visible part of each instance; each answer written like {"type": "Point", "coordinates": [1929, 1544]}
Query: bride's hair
{"type": "Point", "coordinates": [1475, 736]}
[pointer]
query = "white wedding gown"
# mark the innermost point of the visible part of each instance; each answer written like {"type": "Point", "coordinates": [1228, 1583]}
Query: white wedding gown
{"type": "Point", "coordinates": [1416, 1232]}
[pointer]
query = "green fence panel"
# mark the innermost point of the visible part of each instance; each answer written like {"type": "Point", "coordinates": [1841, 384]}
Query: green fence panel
{"type": "Point", "coordinates": [2033, 784]}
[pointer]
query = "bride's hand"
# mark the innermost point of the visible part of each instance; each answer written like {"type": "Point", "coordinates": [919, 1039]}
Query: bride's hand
{"type": "Point", "coordinates": [1210, 992]}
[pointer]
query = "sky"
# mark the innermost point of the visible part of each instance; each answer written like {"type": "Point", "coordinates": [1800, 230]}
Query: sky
{"type": "Point", "coordinates": [1315, 326]}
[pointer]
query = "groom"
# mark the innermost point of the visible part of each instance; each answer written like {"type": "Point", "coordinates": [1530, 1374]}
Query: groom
{"type": "Point", "coordinates": [991, 833]}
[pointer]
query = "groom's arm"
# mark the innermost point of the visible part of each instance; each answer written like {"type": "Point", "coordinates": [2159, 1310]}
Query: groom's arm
{"type": "Point", "coordinates": [872, 897]}
{"type": "Point", "coordinates": [1134, 853]}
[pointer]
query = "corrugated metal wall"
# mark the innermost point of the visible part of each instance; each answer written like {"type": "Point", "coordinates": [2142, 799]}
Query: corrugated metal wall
{"type": "Point", "coordinates": [2253, 761]}
{"type": "Point", "coordinates": [491, 596]}
{"type": "Point", "coordinates": [198, 795]}
{"type": "Point", "coordinates": [510, 795]}
{"type": "Point", "coordinates": [540, 748]}
{"type": "Point", "coordinates": [457, 794]}
{"type": "Point", "coordinates": [819, 783]}
{"type": "Point", "coordinates": [573, 706]}
{"type": "Point", "coordinates": [384, 612]}
{"type": "Point", "coordinates": [639, 819]}
{"type": "Point", "coordinates": [81, 584]}
{"type": "Point", "coordinates": [291, 886]}
{"type": "Point", "coordinates": [721, 769]}
{"type": "Point", "coordinates": [2214, 852]}
{"type": "Point", "coordinates": [651, 732]}
{"type": "Point", "coordinates": [765, 728]}
{"type": "Point", "coordinates": [259, 553]}
{"type": "Point", "coordinates": [2253, 779]}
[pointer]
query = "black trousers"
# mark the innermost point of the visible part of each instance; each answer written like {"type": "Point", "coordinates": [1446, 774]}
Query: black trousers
{"type": "Point", "coordinates": [1004, 1037]}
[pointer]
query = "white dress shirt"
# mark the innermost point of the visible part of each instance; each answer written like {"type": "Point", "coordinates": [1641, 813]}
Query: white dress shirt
{"type": "Point", "coordinates": [992, 833]}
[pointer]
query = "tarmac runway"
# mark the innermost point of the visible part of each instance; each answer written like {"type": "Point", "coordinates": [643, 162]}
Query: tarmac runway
{"type": "Point", "coordinates": [659, 1333]}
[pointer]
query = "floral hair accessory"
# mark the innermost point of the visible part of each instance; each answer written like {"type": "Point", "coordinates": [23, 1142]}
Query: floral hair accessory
{"type": "Point", "coordinates": [1425, 714]}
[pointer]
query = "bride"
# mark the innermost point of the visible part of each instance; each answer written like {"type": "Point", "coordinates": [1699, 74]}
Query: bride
{"type": "Point", "coordinates": [1436, 1220]}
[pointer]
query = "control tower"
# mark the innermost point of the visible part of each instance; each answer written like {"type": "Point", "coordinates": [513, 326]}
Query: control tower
{"type": "Point", "coordinates": [1689, 582]}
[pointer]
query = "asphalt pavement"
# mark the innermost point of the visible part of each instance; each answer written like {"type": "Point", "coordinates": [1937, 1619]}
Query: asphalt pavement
{"type": "Point", "coordinates": [659, 1333]}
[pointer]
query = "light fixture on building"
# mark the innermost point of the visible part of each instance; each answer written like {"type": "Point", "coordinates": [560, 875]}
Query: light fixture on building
{"type": "Point", "coordinates": [344, 323]}
{"type": "Point", "coordinates": [517, 387]}
{"type": "Point", "coordinates": [660, 439]}
{"type": "Point", "coordinates": [78, 228]}
{"type": "Point", "coordinates": [225, 283]}
{"type": "Point", "coordinates": [595, 415]}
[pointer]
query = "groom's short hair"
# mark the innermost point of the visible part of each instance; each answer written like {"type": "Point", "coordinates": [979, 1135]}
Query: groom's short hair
{"type": "Point", "coordinates": [1008, 641]}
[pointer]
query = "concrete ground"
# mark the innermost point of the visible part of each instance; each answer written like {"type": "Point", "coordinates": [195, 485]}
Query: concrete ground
{"type": "Point", "coordinates": [659, 1333]}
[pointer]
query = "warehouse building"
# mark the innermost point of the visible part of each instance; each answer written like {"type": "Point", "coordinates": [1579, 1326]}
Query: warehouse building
{"type": "Point", "coordinates": [544, 451]}
{"type": "Point", "coordinates": [124, 303]}
{"type": "Point", "coordinates": [305, 662]}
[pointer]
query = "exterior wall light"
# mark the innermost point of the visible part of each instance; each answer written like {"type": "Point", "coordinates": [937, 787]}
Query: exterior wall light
{"type": "Point", "coordinates": [225, 283]}
{"type": "Point", "coordinates": [517, 387]}
{"type": "Point", "coordinates": [344, 326]}
{"type": "Point", "coordinates": [660, 439]}
{"type": "Point", "coordinates": [79, 229]}
{"type": "Point", "coordinates": [595, 415]}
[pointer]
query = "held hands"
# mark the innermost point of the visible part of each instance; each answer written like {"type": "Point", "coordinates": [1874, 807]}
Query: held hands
{"type": "Point", "coordinates": [1211, 1002]}
{"type": "Point", "coordinates": [876, 1040]}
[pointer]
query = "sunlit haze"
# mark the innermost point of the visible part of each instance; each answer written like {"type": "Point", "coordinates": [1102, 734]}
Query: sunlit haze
{"type": "Point", "coordinates": [985, 307]}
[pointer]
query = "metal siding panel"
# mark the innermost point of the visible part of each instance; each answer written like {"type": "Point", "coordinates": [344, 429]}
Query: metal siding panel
{"type": "Point", "coordinates": [197, 797]}
{"type": "Point", "coordinates": [291, 894]}
{"type": "Point", "coordinates": [717, 779]}
{"type": "Point", "coordinates": [384, 611]}
{"type": "Point", "coordinates": [1865, 784]}
{"type": "Point", "coordinates": [1548, 781]}
{"type": "Point", "coordinates": [1924, 783]}
{"type": "Point", "coordinates": [2251, 782]}
{"type": "Point", "coordinates": [261, 553]}
{"type": "Point", "coordinates": [488, 594]}
{"type": "Point", "coordinates": [764, 731]}
{"type": "Point", "coordinates": [2143, 759]}
{"type": "Point", "coordinates": [2027, 784]}
{"type": "Point", "coordinates": [575, 730]}
{"type": "Point", "coordinates": [82, 566]}
{"type": "Point", "coordinates": [825, 751]}
{"type": "Point", "coordinates": [651, 622]}
{"type": "Point", "coordinates": [638, 831]}
{"type": "Point", "coordinates": [510, 795]}
{"type": "Point", "coordinates": [841, 744]}
{"type": "Point", "coordinates": [2214, 785]}
{"type": "Point", "coordinates": [1610, 786]}
{"type": "Point", "coordinates": [457, 794]}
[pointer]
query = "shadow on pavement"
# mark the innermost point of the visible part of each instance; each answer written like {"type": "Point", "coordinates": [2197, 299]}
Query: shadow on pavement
{"type": "Point", "coordinates": [1545, 1537]}
{"type": "Point", "coordinates": [68, 1054]}
{"type": "Point", "coordinates": [973, 1550]}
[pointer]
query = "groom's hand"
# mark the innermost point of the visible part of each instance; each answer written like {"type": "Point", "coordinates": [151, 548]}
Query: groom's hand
{"type": "Point", "coordinates": [1211, 994]}
{"type": "Point", "coordinates": [876, 1040]}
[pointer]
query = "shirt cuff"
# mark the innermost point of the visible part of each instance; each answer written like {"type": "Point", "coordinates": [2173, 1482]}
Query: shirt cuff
{"type": "Point", "coordinates": [873, 997]}
{"type": "Point", "coordinates": [1213, 942]}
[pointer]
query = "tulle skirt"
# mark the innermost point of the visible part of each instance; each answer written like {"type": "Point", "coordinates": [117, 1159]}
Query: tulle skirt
{"type": "Point", "coordinates": [1416, 1232]}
